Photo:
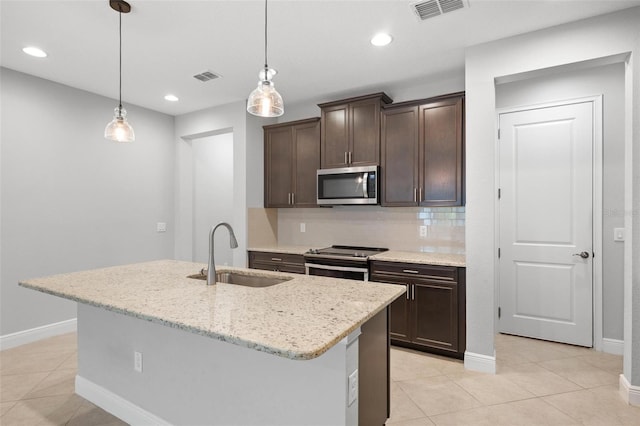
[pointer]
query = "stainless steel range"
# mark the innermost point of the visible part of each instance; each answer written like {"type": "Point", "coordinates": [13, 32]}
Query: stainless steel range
{"type": "Point", "coordinates": [340, 261]}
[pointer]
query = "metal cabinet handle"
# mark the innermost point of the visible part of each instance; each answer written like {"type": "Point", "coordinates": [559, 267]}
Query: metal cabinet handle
{"type": "Point", "coordinates": [584, 254]}
{"type": "Point", "coordinates": [420, 195]}
{"type": "Point", "coordinates": [415, 195]}
{"type": "Point", "coordinates": [276, 259]}
{"type": "Point", "coordinates": [293, 198]}
{"type": "Point", "coordinates": [350, 157]}
{"type": "Point", "coordinates": [413, 292]}
{"type": "Point", "coordinates": [346, 161]}
{"type": "Point", "coordinates": [410, 271]}
{"type": "Point", "coordinates": [408, 291]}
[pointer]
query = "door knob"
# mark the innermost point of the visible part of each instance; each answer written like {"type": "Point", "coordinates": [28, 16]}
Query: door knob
{"type": "Point", "coordinates": [583, 254]}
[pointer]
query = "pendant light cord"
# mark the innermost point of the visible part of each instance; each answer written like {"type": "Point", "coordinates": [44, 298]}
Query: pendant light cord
{"type": "Point", "coordinates": [266, 67]}
{"type": "Point", "coordinates": [120, 67]}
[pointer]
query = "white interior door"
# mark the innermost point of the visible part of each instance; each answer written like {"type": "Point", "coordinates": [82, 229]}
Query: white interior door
{"type": "Point", "coordinates": [546, 223]}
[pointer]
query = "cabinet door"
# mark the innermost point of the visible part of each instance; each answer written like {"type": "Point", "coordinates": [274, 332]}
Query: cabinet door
{"type": "Point", "coordinates": [399, 157]}
{"type": "Point", "coordinates": [364, 120]}
{"type": "Point", "coordinates": [435, 314]}
{"type": "Point", "coordinates": [335, 136]}
{"type": "Point", "coordinates": [399, 318]}
{"type": "Point", "coordinates": [400, 309]}
{"type": "Point", "coordinates": [278, 160]}
{"type": "Point", "coordinates": [441, 153]}
{"type": "Point", "coordinates": [307, 161]}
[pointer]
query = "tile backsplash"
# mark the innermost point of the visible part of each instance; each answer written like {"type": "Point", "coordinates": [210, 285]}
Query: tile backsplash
{"type": "Point", "coordinates": [426, 229]}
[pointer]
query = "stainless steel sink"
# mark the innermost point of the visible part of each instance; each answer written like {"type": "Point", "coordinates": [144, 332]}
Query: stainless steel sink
{"type": "Point", "coordinates": [239, 278]}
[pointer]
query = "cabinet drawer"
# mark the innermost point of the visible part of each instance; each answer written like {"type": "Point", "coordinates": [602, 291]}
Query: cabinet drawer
{"type": "Point", "coordinates": [448, 273]}
{"type": "Point", "coordinates": [259, 256]}
{"type": "Point", "coordinates": [282, 262]}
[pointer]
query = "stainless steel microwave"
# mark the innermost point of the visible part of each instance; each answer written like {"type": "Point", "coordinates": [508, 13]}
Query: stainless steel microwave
{"type": "Point", "coordinates": [348, 185]}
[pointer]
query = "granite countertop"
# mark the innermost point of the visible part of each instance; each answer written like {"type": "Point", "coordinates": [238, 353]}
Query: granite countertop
{"type": "Point", "coordinates": [440, 259]}
{"type": "Point", "coordinates": [281, 249]}
{"type": "Point", "coordinates": [297, 319]}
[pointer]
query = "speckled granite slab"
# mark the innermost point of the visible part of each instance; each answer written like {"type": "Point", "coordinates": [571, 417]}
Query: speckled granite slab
{"type": "Point", "coordinates": [298, 319]}
{"type": "Point", "coordinates": [442, 259]}
{"type": "Point", "coordinates": [281, 249]}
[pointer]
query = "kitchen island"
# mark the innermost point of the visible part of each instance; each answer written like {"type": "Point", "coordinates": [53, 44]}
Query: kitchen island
{"type": "Point", "coordinates": [227, 354]}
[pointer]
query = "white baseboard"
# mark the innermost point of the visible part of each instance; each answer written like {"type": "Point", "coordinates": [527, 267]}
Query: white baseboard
{"type": "Point", "coordinates": [116, 405]}
{"type": "Point", "coordinates": [629, 392]}
{"type": "Point", "coordinates": [479, 362]}
{"type": "Point", "coordinates": [12, 340]}
{"type": "Point", "coordinates": [613, 346]}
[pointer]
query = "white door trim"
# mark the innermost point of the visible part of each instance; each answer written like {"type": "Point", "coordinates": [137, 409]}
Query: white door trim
{"type": "Point", "coordinates": [597, 207]}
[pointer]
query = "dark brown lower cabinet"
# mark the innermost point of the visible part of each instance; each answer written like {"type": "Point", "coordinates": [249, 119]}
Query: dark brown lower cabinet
{"type": "Point", "coordinates": [431, 315]}
{"type": "Point", "coordinates": [281, 262]}
{"type": "Point", "coordinates": [373, 371]}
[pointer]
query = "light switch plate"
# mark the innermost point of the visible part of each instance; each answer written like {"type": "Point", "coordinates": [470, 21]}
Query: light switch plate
{"type": "Point", "coordinates": [303, 227]}
{"type": "Point", "coordinates": [137, 361]}
{"type": "Point", "coordinates": [161, 227]}
{"type": "Point", "coordinates": [618, 234]}
{"type": "Point", "coordinates": [353, 387]}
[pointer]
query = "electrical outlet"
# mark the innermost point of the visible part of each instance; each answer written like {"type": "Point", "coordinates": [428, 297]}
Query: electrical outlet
{"type": "Point", "coordinates": [161, 227]}
{"type": "Point", "coordinates": [353, 387]}
{"type": "Point", "coordinates": [423, 231]}
{"type": "Point", "coordinates": [618, 234]}
{"type": "Point", "coordinates": [303, 227]}
{"type": "Point", "coordinates": [137, 361]}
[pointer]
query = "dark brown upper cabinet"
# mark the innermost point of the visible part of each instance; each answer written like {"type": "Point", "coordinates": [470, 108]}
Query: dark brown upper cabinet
{"type": "Point", "coordinates": [350, 131]}
{"type": "Point", "coordinates": [422, 152]}
{"type": "Point", "coordinates": [291, 158]}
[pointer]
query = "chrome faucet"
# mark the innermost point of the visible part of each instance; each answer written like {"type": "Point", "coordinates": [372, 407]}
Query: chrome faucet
{"type": "Point", "coordinates": [233, 243]}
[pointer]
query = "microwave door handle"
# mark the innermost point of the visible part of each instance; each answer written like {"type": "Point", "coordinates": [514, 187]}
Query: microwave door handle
{"type": "Point", "coordinates": [365, 185]}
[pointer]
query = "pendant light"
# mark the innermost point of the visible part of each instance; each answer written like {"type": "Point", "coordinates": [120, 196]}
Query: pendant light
{"type": "Point", "coordinates": [119, 130]}
{"type": "Point", "coordinates": [265, 101]}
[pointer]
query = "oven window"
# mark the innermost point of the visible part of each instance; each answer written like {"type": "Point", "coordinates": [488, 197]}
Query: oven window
{"type": "Point", "coordinates": [350, 275]}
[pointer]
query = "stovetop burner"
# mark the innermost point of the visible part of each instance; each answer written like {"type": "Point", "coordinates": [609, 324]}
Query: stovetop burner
{"type": "Point", "coordinates": [347, 251]}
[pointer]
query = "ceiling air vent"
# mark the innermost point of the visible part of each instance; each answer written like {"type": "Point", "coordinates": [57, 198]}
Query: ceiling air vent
{"type": "Point", "coordinates": [431, 8]}
{"type": "Point", "coordinates": [206, 76]}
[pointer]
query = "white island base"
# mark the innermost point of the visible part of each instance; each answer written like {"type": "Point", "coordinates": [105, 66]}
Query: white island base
{"type": "Point", "coordinates": [189, 379]}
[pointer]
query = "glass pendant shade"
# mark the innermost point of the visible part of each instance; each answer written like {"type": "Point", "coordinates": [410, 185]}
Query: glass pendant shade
{"type": "Point", "coordinates": [119, 130]}
{"type": "Point", "coordinates": [265, 101]}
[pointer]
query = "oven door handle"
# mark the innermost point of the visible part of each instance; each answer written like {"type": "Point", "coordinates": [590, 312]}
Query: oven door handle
{"type": "Point", "coordinates": [334, 268]}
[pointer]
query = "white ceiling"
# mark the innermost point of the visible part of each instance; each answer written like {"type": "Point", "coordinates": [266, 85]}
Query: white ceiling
{"type": "Point", "coordinates": [320, 48]}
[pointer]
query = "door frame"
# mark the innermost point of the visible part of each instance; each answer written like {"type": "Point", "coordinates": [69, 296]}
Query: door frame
{"type": "Point", "coordinates": [597, 207]}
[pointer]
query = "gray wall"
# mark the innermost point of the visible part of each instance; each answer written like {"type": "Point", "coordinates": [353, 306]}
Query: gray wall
{"type": "Point", "coordinates": [609, 82]}
{"type": "Point", "coordinates": [247, 170]}
{"type": "Point", "coordinates": [398, 91]}
{"type": "Point", "coordinates": [70, 199]}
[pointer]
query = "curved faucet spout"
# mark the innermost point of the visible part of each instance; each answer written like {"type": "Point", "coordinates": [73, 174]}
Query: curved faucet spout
{"type": "Point", "coordinates": [233, 243]}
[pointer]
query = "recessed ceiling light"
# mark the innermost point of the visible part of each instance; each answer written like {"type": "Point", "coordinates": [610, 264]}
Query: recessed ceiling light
{"type": "Point", "coordinates": [34, 51]}
{"type": "Point", "coordinates": [171, 98]}
{"type": "Point", "coordinates": [381, 39]}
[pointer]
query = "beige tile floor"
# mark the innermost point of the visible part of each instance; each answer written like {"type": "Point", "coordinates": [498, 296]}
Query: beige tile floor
{"type": "Point", "coordinates": [538, 383]}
